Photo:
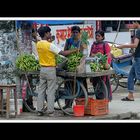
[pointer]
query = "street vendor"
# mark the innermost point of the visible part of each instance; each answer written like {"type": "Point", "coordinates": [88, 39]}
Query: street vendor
{"type": "Point", "coordinates": [75, 42]}
{"type": "Point", "coordinates": [102, 47]}
{"type": "Point", "coordinates": [47, 52]}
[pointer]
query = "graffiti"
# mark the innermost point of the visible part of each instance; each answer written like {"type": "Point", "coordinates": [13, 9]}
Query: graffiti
{"type": "Point", "coordinates": [8, 53]}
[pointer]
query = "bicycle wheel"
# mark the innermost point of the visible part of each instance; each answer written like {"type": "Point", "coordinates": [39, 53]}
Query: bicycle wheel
{"type": "Point", "coordinates": [114, 81]}
{"type": "Point", "coordinates": [123, 83]}
{"type": "Point", "coordinates": [66, 91]}
{"type": "Point", "coordinates": [100, 89]}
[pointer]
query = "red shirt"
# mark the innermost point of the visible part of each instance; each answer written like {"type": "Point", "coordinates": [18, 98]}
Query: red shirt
{"type": "Point", "coordinates": [103, 48]}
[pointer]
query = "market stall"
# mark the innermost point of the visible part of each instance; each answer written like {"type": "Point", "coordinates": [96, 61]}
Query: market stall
{"type": "Point", "coordinates": [67, 92]}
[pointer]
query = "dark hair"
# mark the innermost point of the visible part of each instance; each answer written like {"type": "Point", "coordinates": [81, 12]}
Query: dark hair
{"type": "Point", "coordinates": [136, 21]}
{"type": "Point", "coordinates": [34, 30]}
{"type": "Point", "coordinates": [101, 32]}
{"type": "Point", "coordinates": [77, 28]}
{"type": "Point", "coordinates": [42, 30]}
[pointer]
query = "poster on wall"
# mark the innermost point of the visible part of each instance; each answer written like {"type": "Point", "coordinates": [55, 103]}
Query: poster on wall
{"type": "Point", "coordinates": [62, 32]}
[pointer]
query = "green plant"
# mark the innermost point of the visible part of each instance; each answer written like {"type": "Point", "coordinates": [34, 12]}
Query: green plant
{"type": "Point", "coordinates": [84, 38]}
{"type": "Point", "coordinates": [73, 61]}
{"type": "Point", "coordinates": [27, 62]}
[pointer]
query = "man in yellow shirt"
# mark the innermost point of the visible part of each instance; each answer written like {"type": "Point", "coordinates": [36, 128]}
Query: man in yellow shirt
{"type": "Point", "coordinates": [46, 53]}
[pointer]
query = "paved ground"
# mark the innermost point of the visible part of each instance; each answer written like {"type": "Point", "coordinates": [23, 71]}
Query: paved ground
{"type": "Point", "coordinates": [118, 110]}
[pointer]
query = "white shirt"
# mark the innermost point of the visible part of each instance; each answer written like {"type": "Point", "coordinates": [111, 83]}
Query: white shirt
{"type": "Point", "coordinates": [34, 50]}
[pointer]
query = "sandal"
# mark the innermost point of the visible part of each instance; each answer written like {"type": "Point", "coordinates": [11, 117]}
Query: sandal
{"type": "Point", "coordinates": [127, 99]}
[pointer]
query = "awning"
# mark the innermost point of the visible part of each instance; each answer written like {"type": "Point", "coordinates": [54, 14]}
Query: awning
{"type": "Point", "coordinates": [51, 22]}
{"type": "Point", "coordinates": [56, 22]}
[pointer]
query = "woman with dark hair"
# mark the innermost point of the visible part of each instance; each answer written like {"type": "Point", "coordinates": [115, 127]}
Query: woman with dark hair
{"type": "Point", "coordinates": [100, 46]}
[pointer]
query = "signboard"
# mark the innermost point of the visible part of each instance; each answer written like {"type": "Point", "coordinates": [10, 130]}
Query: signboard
{"type": "Point", "coordinates": [62, 32]}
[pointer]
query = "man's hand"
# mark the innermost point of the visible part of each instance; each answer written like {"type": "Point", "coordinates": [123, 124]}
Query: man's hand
{"type": "Point", "coordinates": [119, 47]}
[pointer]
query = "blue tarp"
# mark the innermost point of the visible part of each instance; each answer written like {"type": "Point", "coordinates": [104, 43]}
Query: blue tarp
{"type": "Point", "coordinates": [54, 22]}
{"type": "Point", "coordinates": [51, 22]}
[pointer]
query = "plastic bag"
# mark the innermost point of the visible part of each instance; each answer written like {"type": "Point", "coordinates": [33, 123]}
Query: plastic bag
{"type": "Point", "coordinates": [81, 68]}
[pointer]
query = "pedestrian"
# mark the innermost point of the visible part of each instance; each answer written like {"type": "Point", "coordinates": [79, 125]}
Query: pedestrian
{"type": "Point", "coordinates": [100, 46]}
{"type": "Point", "coordinates": [47, 52]}
{"type": "Point", "coordinates": [135, 69]}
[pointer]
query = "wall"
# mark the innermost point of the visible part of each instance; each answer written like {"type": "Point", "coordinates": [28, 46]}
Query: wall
{"type": "Point", "coordinates": [8, 53]}
{"type": "Point", "coordinates": [122, 38]}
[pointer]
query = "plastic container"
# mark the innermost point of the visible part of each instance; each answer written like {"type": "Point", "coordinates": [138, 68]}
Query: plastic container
{"type": "Point", "coordinates": [95, 107]}
{"type": "Point", "coordinates": [19, 106]}
{"type": "Point", "coordinates": [78, 110]}
{"type": "Point", "coordinates": [126, 50]}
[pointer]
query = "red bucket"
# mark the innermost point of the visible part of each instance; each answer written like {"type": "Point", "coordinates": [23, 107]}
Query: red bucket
{"type": "Point", "coordinates": [78, 110]}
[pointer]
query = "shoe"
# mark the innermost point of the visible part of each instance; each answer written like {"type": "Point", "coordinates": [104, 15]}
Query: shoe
{"type": "Point", "coordinates": [32, 107]}
{"type": "Point", "coordinates": [51, 114]}
{"type": "Point", "coordinates": [40, 113]}
{"type": "Point", "coordinates": [55, 114]}
{"type": "Point", "coordinates": [127, 99]}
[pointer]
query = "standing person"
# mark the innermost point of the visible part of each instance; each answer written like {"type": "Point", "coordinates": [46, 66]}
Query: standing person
{"type": "Point", "coordinates": [47, 53]}
{"type": "Point", "coordinates": [35, 54]}
{"type": "Point", "coordinates": [74, 41]}
{"type": "Point", "coordinates": [100, 46]}
{"type": "Point", "coordinates": [35, 39]}
{"type": "Point", "coordinates": [135, 69]}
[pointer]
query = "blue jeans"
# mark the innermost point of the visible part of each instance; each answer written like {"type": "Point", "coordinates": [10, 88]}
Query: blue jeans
{"type": "Point", "coordinates": [134, 74]}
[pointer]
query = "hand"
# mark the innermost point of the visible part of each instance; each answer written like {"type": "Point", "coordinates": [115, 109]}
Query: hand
{"type": "Point", "coordinates": [77, 49]}
{"type": "Point", "coordinates": [119, 47]}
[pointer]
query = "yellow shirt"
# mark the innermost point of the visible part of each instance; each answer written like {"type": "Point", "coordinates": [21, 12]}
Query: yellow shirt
{"type": "Point", "coordinates": [46, 53]}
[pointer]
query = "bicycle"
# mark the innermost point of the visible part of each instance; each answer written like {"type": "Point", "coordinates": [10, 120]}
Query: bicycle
{"type": "Point", "coordinates": [99, 90]}
{"type": "Point", "coordinates": [122, 66]}
{"type": "Point", "coordinates": [70, 89]}
{"type": "Point", "coordinates": [29, 95]}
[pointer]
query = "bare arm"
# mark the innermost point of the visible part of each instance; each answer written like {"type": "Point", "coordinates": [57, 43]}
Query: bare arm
{"type": "Point", "coordinates": [134, 45]}
{"type": "Point", "coordinates": [67, 52]}
{"type": "Point", "coordinates": [65, 47]}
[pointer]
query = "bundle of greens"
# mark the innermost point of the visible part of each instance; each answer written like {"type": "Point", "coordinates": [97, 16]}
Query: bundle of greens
{"type": "Point", "coordinates": [73, 61]}
{"type": "Point", "coordinates": [27, 62]}
{"type": "Point", "coordinates": [99, 63]}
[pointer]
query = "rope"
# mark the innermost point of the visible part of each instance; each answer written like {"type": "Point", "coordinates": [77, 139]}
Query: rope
{"type": "Point", "coordinates": [118, 28]}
